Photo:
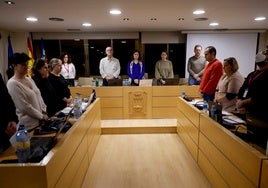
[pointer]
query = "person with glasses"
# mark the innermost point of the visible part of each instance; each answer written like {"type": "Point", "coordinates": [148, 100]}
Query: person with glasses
{"type": "Point", "coordinates": [196, 66]}
{"type": "Point", "coordinates": [109, 67]}
{"type": "Point", "coordinates": [212, 74]}
{"type": "Point", "coordinates": [229, 85]}
{"type": "Point", "coordinates": [26, 96]}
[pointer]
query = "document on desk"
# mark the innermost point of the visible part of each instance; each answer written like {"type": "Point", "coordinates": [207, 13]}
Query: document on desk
{"type": "Point", "coordinates": [66, 110]}
{"type": "Point", "coordinates": [233, 120]}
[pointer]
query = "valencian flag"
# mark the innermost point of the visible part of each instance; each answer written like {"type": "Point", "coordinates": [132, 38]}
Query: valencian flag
{"type": "Point", "coordinates": [43, 51]}
{"type": "Point", "coordinates": [30, 54]}
{"type": "Point", "coordinates": [9, 71]}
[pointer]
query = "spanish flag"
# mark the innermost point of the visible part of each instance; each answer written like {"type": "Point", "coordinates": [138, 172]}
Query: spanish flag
{"type": "Point", "coordinates": [30, 54]}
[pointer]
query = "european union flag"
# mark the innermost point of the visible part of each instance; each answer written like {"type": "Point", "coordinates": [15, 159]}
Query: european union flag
{"type": "Point", "coordinates": [10, 71]}
{"type": "Point", "coordinates": [43, 51]}
{"type": "Point", "coordinates": [10, 50]}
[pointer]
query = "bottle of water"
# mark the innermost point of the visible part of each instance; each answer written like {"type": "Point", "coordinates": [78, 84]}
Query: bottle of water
{"type": "Point", "coordinates": [77, 107]}
{"type": "Point", "coordinates": [213, 112]}
{"type": "Point", "coordinates": [22, 144]}
{"type": "Point", "coordinates": [205, 107]}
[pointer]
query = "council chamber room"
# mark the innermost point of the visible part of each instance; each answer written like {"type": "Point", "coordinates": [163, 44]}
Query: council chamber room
{"type": "Point", "coordinates": [133, 94]}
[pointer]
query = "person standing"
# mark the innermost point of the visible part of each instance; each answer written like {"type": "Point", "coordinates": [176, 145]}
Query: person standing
{"type": "Point", "coordinates": [212, 74]}
{"type": "Point", "coordinates": [59, 83]}
{"type": "Point", "coordinates": [253, 102]}
{"type": "Point", "coordinates": [109, 66]}
{"type": "Point", "coordinates": [163, 69]}
{"type": "Point", "coordinates": [135, 68]}
{"type": "Point", "coordinates": [49, 95]}
{"type": "Point", "coordinates": [8, 117]}
{"type": "Point", "coordinates": [196, 66]}
{"type": "Point", "coordinates": [26, 96]}
{"type": "Point", "coordinates": [229, 85]}
{"type": "Point", "coordinates": [68, 69]}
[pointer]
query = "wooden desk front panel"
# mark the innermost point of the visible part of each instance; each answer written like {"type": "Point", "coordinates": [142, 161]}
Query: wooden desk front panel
{"type": "Point", "coordinates": [137, 102]}
{"type": "Point", "coordinates": [224, 166]}
{"type": "Point", "coordinates": [189, 111]}
{"type": "Point", "coordinates": [111, 91]}
{"type": "Point", "coordinates": [240, 154]}
{"type": "Point", "coordinates": [264, 174]}
{"type": "Point", "coordinates": [166, 91]}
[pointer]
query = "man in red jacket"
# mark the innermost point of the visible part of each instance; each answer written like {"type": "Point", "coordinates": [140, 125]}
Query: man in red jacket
{"type": "Point", "coordinates": [212, 74]}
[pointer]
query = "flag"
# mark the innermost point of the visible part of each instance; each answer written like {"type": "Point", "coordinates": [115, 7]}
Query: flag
{"type": "Point", "coordinates": [9, 71]}
{"type": "Point", "coordinates": [30, 54]}
{"type": "Point", "coordinates": [10, 50]}
{"type": "Point", "coordinates": [43, 51]}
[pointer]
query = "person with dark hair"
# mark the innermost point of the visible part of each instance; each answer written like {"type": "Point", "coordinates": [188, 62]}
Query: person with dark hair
{"type": "Point", "coordinates": [163, 69]}
{"type": "Point", "coordinates": [212, 74]}
{"type": "Point", "coordinates": [253, 102]}
{"type": "Point", "coordinates": [8, 117]}
{"type": "Point", "coordinates": [196, 66]}
{"type": "Point", "coordinates": [59, 83]}
{"type": "Point", "coordinates": [135, 68]}
{"type": "Point", "coordinates": [68, 70]}
{"type": "Point", "coordinates": [229, 85]}
{"type": "Point", "coordinates": [26, 96]}
{"type": "Point", "coordinates": [40, 76]}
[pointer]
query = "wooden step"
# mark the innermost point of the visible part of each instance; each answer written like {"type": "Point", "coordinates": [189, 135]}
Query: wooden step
{"type": "Point", "coordinates": [138, 126]}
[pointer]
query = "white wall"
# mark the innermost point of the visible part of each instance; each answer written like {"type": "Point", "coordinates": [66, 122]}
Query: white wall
{"type": "Point", "coordinates": [242, 46]}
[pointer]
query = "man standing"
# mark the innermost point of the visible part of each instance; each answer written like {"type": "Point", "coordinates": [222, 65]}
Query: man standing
{"type": "Point", "coordinates": [212, 74]}
{"type": "Point", "coordinates": [196, 66]}
{"type": "Point", "coordinates": [8, 117]}
{"type": "Point", "coordinates": [109, 67]}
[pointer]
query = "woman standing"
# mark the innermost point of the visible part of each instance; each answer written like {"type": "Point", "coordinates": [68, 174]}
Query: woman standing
{"type": "Point", "coordinates": [40, 77]}
{"type": "Point", "coordinates": [27, 98]}
{"type": "Point", "coordinates": [68, 69]}
{"type": "Point", "coordinates": [229, 85]}
{"type": "Point", "coordinates": [163, 69]}
{"type": "Point", "coordinates": [59, 83]}
{"type": "Point", "coordinates": [135, 68]}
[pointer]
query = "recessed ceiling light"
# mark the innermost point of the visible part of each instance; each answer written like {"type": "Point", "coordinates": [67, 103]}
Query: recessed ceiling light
{"type": "Point", "coordinates": [9, 2]}
{"type": "Point", "coordinates": [123, 42]}
{"type": "Point", "coordinates": [260, 18]}
{"type": "Point", "coordinates": [214, 24]}
{"type": "Point", "coordinates": [197, 12]}
{"type": "Point", "coordinates": [76, 40]}
{"type": "Point", "coordinates": [201, 19]}
{"type": "Point", "coordinates": [86, 24]}
{"type": "Point", "coordinates": [115, 12]}
{"type": "Point", "coordinates": [32, 19]}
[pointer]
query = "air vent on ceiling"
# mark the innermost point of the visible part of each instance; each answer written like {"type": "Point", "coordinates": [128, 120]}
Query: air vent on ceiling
{"type": "Point", "coordinates": [201, 19]}
{"type": "Point", "coordinates": [56, 19]}
{"type": "Point", "coordinates": [73, 30]}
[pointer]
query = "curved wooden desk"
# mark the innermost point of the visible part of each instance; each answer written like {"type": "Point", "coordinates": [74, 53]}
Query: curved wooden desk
{"type": "Point", "coordinates": [66, 164]}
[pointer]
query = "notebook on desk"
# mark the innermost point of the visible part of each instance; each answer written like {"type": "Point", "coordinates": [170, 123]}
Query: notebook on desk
{"type": "Point", "coordinates": [40, 146]}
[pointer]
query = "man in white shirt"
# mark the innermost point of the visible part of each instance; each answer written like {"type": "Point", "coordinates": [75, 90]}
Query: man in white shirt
{"type": "Point", "coordinates": [109, 67]}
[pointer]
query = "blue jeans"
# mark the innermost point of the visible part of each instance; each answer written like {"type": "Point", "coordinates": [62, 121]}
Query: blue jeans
{"type": "Point", "coordinates": [193, 81]}
{"type": "Point", "coordinates": [208, 97]}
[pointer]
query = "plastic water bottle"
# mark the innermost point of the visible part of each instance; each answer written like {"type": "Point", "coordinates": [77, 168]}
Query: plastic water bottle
{"type": "Point", "coordinates": [77, 107]}
{"type": "Point", "coordinates": [22, 144]}
{"type": "Point", "coordinates": [183, 93]}
{"type": "Point", "coordinates": [213, 112]}
{"type": "Point", "coordinates": [205, 107]}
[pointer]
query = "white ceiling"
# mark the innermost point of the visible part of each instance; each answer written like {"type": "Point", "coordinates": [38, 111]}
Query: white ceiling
{"type": "Point", "coordinates": [230, 14]}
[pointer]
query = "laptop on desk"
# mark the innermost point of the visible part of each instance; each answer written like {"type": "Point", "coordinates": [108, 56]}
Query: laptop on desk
{"type": "Point", "coordinates": [115, 82]}
{"type": "Point", "coordinates": [146, 82]}
{"type": "Point", "coordinates": [40, 146]}
{"type": "Point", "coordinates": [171, 81]}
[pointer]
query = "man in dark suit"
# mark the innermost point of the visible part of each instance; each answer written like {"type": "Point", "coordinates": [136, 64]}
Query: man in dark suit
{"type": "Point", "coordinates": [8, 117]}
